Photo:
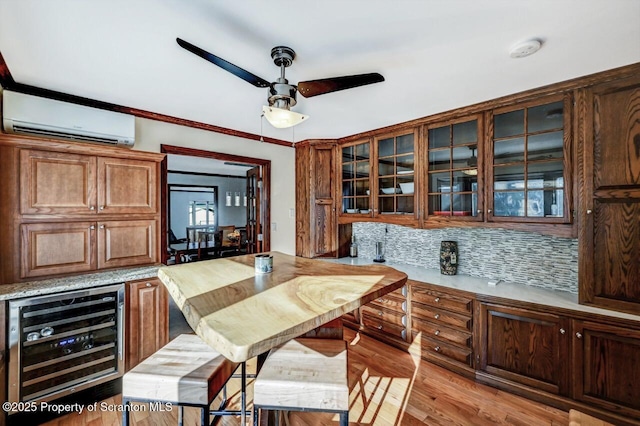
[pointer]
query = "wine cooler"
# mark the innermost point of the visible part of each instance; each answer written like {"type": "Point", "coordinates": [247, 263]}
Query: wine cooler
{"type": "Point", "coordinates": [66, 342]}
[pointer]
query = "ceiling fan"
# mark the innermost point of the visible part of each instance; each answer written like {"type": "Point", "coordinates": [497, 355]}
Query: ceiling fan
{"type": "Point", "coordinates": [281, 94]}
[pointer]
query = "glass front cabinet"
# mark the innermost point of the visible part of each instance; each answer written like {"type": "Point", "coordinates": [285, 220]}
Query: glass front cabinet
{"type": "Point", "coordinates": [529, 173]}
{"type": "Point", "coordinates": [454, 169]}
{"type": "Point", "coordinates": [395, 168]}
{"type": "Point", "coordinates": [356, 173]}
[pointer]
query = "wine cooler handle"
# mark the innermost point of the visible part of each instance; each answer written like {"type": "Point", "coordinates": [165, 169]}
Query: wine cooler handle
{"type": "Point", "coordinates": [121, 331]}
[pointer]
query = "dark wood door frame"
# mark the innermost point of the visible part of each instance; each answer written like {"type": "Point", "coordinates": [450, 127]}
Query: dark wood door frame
{"type": "Point", "coordinates": [265, 166]}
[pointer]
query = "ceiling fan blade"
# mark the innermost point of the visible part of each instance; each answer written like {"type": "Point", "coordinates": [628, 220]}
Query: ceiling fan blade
{"type": "Point", "coordinates": [227, 66]}
{"type": "Point", "coordinates": [328, 85]}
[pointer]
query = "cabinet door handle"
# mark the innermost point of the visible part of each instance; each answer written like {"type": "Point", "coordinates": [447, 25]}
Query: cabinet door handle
{"type": "Point", "coordinates": [437, 349]}
{"type": "Point", "coordinates": [92, 207]}
{"type": "Point", "coordinates": [379, 327]}
{"type": "Point", "coordinates": [479, 211]}
{"type": "Point", "coordinates": [92, 227]}
{"type": "Point", "coordinates": [101, 226]}
{"type": "Point", "coordinates": [437, 333]}
{"type": "Point", "coordinates": [589, 211]}
{"type": "Point", "coordinates": [148, 284]}
{"type": "Point", "coordinates": [489, 211]}
{"type": "Point", "coordinates": [101, 207]}
{"type": "Point", "coordinates": [436, 316]}
{"type": "Point", "coordinates": [437, 300]}
{"type": "Point", "coordinates": [562, 331]}
{"type": "Point", "coordinates": [578, 335]}
{"type": "Point", "coordinates": [380, 313]}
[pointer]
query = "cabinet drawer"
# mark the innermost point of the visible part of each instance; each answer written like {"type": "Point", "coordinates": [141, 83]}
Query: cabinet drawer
{"type": "Point", "coordinates": [441, 333]}
{"type": "Point", "coordinates": [390, 301]}
{"type": "Point", "coordinates": [442, 300]}
{"type": "Point", "coordinates": [383, 326]}
{"type": "Point", "coordinates": [440, 316]}
{"type": "Point", "coordinates": [435, 348]}
{"type": "Point", "coordinates": [385, 315]}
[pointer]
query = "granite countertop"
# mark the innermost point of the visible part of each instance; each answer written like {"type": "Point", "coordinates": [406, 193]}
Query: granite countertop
{"type": "Point", "coordinates": [505, 290]}
{"type": "Point", "coordinates": [76, 282]}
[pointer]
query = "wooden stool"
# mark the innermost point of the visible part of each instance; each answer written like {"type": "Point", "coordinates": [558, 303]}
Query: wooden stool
{"type": "Point", "coordinates": [304, 375]}
{"type": "Point", "coordinates": [186, 371]}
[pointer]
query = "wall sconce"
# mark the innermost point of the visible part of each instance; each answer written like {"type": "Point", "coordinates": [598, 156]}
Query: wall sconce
{"type": "Point", "coordinates": [237, 199]}
{"type": "Point", "coordinates": [228, 199]}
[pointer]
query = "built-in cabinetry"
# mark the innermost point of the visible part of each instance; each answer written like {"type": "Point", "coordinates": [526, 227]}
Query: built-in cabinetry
{"type": "Point", "coordinates": [559, 358]}
{"type": "Point", "coordinates": [455, 175]}
{"type": "Point", "coordinates": [387, 316]}
{"type": "Point", "coordinates": [147, 319]}
{"type": "Point", "coordinates": [317, 231]}
{"type": "Point", "coordinates": [525, 347]}
{"type": "Point", "coordinates": [606, 366]}
{"type": "Point", "coordinates": [609, 239]}
{"type": "Point", "coordinates": [76, 208]}
{"type": "Point", "coordinates": [442, 326]}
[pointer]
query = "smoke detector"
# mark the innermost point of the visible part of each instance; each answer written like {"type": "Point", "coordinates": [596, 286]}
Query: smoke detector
{"type": "Point", "coordinates": [525, 48]}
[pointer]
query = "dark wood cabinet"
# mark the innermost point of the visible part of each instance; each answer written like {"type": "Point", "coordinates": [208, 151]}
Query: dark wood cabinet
{"type": "Point", "coordinates": [127, 186]}
{"type": "Point", "coordinates": [147, 320]}
{"type": "Point", "coordinates": [609, 240]}
{"type": "Point", "coordinates": [442, 326]}
{"type": "Point", "coordinates": [606, 362]}
{"type": "Point", "coordinates": [386, 317]}
{"type": "Point", "coordinates": [317, 230]}
{"type": "Point", "coordinates": [525, 346]}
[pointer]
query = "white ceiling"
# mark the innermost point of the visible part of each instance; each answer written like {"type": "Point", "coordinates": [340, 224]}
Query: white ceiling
{"type": "Point", "coordinates": [187, 163]}
{"type": "Point", "coordinates": [435, 55]}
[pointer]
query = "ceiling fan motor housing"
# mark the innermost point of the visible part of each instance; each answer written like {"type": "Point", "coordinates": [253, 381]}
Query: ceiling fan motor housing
{"type": "Point", "coordinates": [282, 94]}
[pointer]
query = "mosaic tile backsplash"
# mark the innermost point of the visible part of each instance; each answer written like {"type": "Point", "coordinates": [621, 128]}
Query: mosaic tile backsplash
{"type": "Point", "coordinates": [519, 257]}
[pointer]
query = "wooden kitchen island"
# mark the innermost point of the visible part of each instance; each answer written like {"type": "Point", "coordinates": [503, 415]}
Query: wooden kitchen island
{"type": "Point", "coordinates": [242, 314]}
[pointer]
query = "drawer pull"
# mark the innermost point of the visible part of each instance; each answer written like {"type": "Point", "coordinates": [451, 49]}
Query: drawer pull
{"type": "Point", "coordinates": [437, 316]}
{"type": "Point", "coordinates": [437, 300]}
{"type": "Point", "coordinates": [380, 313]}
{"type": "Point", "coordinates": [437, 349]}
{"type": "Point", "coordinates": [92, 208]}
{"type": "Point", "coordinates": [562, 331]}
{"type": "Point", "coordinates": [579, 335]}
{"type": "Point", "coordinates": [148, 284]}
{"type": "Point", "coordinates": [437, 333]}
{"type": "Point", "coordinates": [379, 327]}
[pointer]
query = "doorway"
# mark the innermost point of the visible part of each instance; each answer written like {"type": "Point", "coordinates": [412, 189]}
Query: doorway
{"type": "Point", "coordinates": [258, 179]}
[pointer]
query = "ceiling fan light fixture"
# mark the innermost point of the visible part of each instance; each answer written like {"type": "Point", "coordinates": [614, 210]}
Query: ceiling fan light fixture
{"type": "Point", "coordinates": [281, 118]}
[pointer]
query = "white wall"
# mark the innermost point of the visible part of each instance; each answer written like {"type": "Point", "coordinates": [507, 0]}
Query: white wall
{"type": "Point", "coordinates": [150, 134]}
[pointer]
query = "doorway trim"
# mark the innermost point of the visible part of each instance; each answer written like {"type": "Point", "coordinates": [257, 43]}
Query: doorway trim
{"type": "Point", "coordinates": [265, 167]}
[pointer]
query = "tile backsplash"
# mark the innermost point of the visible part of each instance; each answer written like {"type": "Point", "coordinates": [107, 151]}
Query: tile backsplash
{"type": "Point", "coordinates": [519, 257]}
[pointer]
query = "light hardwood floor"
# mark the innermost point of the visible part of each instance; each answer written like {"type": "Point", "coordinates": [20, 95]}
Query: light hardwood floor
{"type": "Point", "coordinates": [388, 387]}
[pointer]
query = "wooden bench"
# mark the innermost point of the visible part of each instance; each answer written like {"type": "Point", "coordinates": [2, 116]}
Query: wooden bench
{"type": "Point", "coordinates": [185, 372]}
{"type": "Point", "coordinates": [304, 374]}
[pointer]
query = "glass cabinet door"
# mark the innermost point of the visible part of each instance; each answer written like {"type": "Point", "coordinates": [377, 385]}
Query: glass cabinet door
{"type": "Point", "coordinates": [396, 174]}
{"type": "Point", "coordinates": [355, 178]}
{"type": "Point", "coordinates": [528, 167]}
{"type": "Point", "coordinates": [452, 183]}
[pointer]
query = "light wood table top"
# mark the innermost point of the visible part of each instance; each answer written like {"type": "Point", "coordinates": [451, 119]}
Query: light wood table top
{"type": "Point", "coordinates": [242, 314]}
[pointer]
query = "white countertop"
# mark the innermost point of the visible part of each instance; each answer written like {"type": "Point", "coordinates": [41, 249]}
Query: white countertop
{"type": "Point", "coordinates": [480, 286]}
{"type": "Point", "coordinates": [76, 282]}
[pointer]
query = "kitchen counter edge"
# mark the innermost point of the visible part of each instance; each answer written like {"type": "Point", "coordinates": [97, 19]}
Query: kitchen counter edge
{"type": "Point", "coordinates": [76, 282]}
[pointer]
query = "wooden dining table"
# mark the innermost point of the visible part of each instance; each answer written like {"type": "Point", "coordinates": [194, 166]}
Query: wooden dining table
{"type": "Point", "coordinates": [242, 314]}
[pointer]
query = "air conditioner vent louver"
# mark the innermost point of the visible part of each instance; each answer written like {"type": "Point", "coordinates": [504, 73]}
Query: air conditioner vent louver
{"type": "Point", "coordinates": [65, 135]}
{"type": "Point", "coordinates": [33, 115]}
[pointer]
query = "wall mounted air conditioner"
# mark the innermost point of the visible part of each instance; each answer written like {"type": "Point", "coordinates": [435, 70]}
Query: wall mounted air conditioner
{"type": "Point", "coordinates": [33, 115]}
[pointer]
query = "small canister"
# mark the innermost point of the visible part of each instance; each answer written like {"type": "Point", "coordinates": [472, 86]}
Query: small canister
{"type": "Point", "coordinates": [264, 263]}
